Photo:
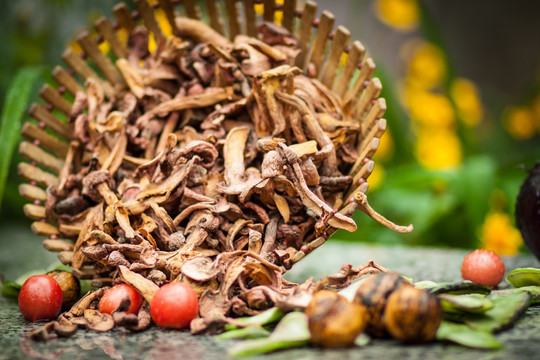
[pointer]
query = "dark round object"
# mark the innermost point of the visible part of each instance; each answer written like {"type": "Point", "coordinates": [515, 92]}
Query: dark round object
{"type": "Point", "coordinates": [528, 210]}
{"type": "Point", "coordinates": [373, 294]}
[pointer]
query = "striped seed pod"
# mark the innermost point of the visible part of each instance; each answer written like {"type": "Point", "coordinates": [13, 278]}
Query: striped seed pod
{"type": "Point", "coordinates": [413, 315]}
{"type": "Point", "coordinates": [373, 294]}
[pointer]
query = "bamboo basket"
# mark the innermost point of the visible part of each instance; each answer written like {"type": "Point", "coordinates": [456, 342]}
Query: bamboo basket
{"type": "Point", "coordinates": [47, 139]}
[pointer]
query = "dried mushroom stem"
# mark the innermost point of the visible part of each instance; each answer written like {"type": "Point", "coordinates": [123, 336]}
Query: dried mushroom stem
{"type": "Point", "coordinates": [361, 199]}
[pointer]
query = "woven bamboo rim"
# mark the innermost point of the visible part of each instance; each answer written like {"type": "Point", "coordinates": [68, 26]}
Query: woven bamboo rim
{"type": "Point", "coordinates": [47, 140]}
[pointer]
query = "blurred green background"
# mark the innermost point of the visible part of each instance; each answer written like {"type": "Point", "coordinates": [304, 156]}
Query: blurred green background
{"type": "Point", "coordinates": [462, 84]}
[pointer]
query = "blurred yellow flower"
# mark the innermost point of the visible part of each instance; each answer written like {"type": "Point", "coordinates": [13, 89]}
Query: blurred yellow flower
{"type": "Point", "coordinates": [278, 15]}
{"type": "Point", "coordinates": [429, 109]}
{"type": "Point", "coordinates": [386, 146]}
{"type": "Point", "coordinates": [438, 149]}
{"type": "Point", "coordinates": [427, 66]}
{"type": "Point", "coordinates": [499, 235]}
{"type": "Point", "coordinates": [163, 22]}
{"type": "Point", "coordinates": [465, 95]}
{"type": "Point", "coordinates": [520, 122]}
{"type": "Point", "coordinates": [401, 15]}
{"type": "Point", "coordinates": [376, 177]}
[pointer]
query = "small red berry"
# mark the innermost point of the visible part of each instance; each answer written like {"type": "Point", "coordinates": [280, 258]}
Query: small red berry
{"type": "Point", "coordinates": [111, 300]}
{"type": "Point", "coordinates": [483, 267]}
{"type": "Point", "coordinates": [40, 298]}
{"type": "Point", "coordinates": [174, 306]}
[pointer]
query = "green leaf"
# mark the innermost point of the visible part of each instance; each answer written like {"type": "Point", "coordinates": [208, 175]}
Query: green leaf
{"type": "Point", "coordinates": [534, 291]}
{"type": "Point", "coordinates": [471, 303]}
{"type": "Point", "coordinates": [250, 332]}
{"type": "Point", "coordinates": [15, 104]}
{"type": "Point", "coordinates": [524, 277]}
{"type": "Point", "coordinates": [10, 289]}
{"type": "Point", "coordinates": [463, 335]}
{"type": "Point", "coordinates": [461, 287]}
{"type": "Point", "coordinates": [269, 316]}
{"type": "Point", "coordinates": [291, 331]}
{"type": "Point", "coordinates": [505, 311]}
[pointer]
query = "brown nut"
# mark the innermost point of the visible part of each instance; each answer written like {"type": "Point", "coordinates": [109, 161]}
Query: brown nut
{"type": "Point", "coordinates": [413, 315]}
{"type": "Point", "coordinates": [71, 288]}
{"type": "Point", "coordinates": [373, 294]}
{"type": "Point", "coordinates": [334, 321]}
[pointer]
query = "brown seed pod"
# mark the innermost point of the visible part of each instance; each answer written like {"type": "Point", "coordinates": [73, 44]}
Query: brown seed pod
{"type": "Point", "coordinates": [413, 315]}
{"type": "Point", "coordinates": [71, 288]}
{"type": "Point", "coordinates": [373, 294]}
{"type": "Point", "coordinates": [334, 321]}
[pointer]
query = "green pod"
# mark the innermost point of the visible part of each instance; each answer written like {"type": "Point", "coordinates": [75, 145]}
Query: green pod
{"type": "Point", "coordinates": [524, 277]}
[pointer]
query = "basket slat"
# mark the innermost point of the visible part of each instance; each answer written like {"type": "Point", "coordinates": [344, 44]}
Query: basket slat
{"type": "Point", "coordinates": [63, 78]}
{"type": "Point", "coordinates": [214, 16]}
{"type": "Point", "coordinates": [53, 97]}
{"type": "Point", "coordinates": [57, 245]}
{"type": "Point", "coordinates": [289, 9]}
{"type": "Point", "coordinates": [33, 173]}
{"type": "Point", "coordinates": [355, 55]}
{"type": "Point", "coordinates": [268, 13]}
{"type": "Point", "coordinates": [376, 112]}
{"type": "Point", "coordinates": [368, 151]}
{"type": "Point", "coordinates": [192, 10]}
{"type": "Point", "coordinates": [34, 212]}
{"type": "Point", "coordinates": [319, 47]}
{"type": "Point", "coordinates": [366, 72]}
{"type": "Point", "coordinates": [304, 32]}
{"type": "Point", "coordinates": [33, 133]}
{"type": "Point", "coordinates": [361, 176]}
{"type": "Point", "coordinates": [70, 230]}
{"type": "Point", "coordinates": [80, 66]}
{"type": "Point", "coordinates": [332, 64]}
{"type": "Point", "coordinates": [251, 18]}
{"type": "Point", "coordinates": [371, 92]}
{"type": "Point", "coordinates": [65, 257]}
{"type": "Point", "coordinates": [147, 14]}
{"type": "Point", "coordinates": [35, 153]}
{"type": "Point", "coordinates": [123, 16]}
{"type": "Point", "coordinates": [42, 115]}
{"type": "Point", "coordinates": [44, 229]}
{"type": "Point", "coordinates": [32, 193]}
{"type": "Point", "coordinates": [102, 61]}
{"type": "Point", "coordinates": [232, 18]}
{"type": "Point", "coordinates": [106, 30]}
{"type": "Point", "coordinates": [168, 7]}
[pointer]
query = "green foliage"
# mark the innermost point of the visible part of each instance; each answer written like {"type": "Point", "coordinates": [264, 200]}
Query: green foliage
{"type": "Point", "coordinates": [10, 124]}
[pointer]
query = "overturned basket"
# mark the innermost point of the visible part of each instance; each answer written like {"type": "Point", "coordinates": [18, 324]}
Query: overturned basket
{"type": "Point", "coordinates": [58, 157]}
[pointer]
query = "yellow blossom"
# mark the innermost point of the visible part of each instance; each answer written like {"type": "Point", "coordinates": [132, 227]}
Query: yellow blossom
{"type": "Point", "coordinates": [376, 177]}
{"type": "Point", "coordinates": [386, 146]}
{"type": "Point", "coordinates": [278, 15]}
{"type": "Point", "coordinates": [427, 66]}
{"type": "Point", "coordinates": [401, 15]}
{"type": "Point", "coordinates": [520, 122]}
{"type": "Point", "coordinates": [430, 109]}
{"type": "Point", "coordinates": [438, 149]}
{"type": "Point", "coordinates": [163, 22]}
{"type": "Point", "coordinates": [465, 95]}
{"type": "Point", "coordinates": [499, 235]}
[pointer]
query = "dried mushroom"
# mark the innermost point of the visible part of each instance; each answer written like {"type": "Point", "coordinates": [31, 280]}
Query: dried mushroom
{"type": "Point", "coordinates": [215, 162]}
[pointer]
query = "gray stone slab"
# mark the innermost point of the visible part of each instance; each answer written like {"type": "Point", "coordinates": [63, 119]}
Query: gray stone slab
{"type": "Point", "coordinates": [520, 342]}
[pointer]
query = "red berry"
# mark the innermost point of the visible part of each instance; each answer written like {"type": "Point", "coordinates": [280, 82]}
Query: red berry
{"type": "Point", "coordinates": [40, 298]}
{"type": "Point", "coordinates": [483, 267]}
{"type": "Point", "coordinates": [174, 305]}
{"type": "Point", "coordinates": [111, 300]}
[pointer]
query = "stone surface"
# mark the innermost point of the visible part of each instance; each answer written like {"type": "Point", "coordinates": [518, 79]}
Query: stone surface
{"type": "Point", "coordinates": [520, 342]}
